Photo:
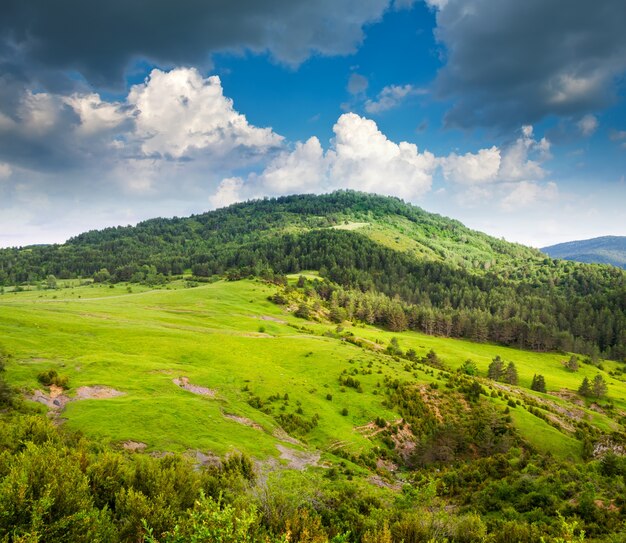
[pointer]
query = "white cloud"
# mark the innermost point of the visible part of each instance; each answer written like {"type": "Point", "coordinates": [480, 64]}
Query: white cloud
{"type": "Point", "coordinates": [95, 115]}
{"type": "Point", "coordinates": [360, 157]}
{"type": "Point", "coordinates": [228, 192]}
{"type": "Point", "coordinates": [472, 168]}
{"type": "Point", "coordinates": [519, 161]}
{"type": "Point", "coordinates": [526, 193]}
{"type": "Point", "coordinates": [40, 113]}
{"type": "Point", "coordinates": [363, 158]}
{"type": "Point", "coordinates": [178, 113]}
{"type": "Point", "coordinates": [297, 171]}
{"type": "Point", "coordinates": [516, 163]}
{"type": "Point", "coordinates": [588, 125]}
{"type": "Point", "coordinates": [391, 97]}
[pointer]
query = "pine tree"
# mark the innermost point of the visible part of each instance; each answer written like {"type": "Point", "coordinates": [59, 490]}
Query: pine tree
{"type": "Point", "coordinates": [599, 388]}
{"type": "Point", "coordinates": [496, 369]}
{"type": "Point", "coordinates": [538, 384]}
{"type": "Point", "coordinates": [585, 388]}
{"type": "Point", "coordinates": [510, 375]}
{"type": "Point", "coordinates": [572, 363]}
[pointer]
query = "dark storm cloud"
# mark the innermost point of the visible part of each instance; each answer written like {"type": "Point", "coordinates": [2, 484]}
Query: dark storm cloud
{"type": "Point", "coordinates": [99, 39]}
{"type": "Point", "coordinates": [511, 62]}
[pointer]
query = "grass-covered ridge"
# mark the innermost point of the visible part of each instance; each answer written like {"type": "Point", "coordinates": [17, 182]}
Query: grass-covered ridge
{"type": "Point", "coordinates": [260, 362]}
{"type": "Point", "coordinates": [469, 284]}
{"type": "Point", "coordinates": [397, 433]}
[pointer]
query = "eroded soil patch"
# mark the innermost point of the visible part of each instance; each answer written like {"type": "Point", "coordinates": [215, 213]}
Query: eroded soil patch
{"type": "Point", "coordinates": [243, 420]}
{"type": "Point", "coordinates": [183, 382]}
{"type": "Point", "coordinates": [134, 446]}
{"type": "Point", "coordinates": [299, 460]}
{"type": "Point", "coordinates": [96, 392]}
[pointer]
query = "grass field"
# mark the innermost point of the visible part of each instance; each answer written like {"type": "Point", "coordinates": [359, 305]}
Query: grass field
{"type": "Point", "coordinates": [227, 337]}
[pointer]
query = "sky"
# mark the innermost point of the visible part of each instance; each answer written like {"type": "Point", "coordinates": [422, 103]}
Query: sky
{"type": "Point", "coordinates": [508, 116]}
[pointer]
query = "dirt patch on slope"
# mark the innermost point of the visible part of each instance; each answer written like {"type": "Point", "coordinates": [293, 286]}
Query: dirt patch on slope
{"type": "Point", "coordinates": [243, 420]}
{"type": "Point", "coordinates": [568, 395]}
{"type": "Point", "coordinates": [279, 433]}
{"type": "Point", "coordinates": [55, 400]}
{"type": "Point", "coordinates": [183, 382]}
{"type": "Point", "coordinates": [299, 460]}
{"type": "Point", "coordinates": [97, 392]}
{"type": "Point", "coordinates": [134, 446]}
{"type": "Point", "coordinates": [272, 319]}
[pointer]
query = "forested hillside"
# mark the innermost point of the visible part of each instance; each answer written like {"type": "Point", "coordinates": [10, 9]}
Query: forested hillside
{"type": "Point", "coordinates": [604, 250]}
{"type": "Point", "coordinates": [439, 276]}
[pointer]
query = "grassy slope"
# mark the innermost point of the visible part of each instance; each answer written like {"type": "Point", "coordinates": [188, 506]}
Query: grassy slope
{"type": "Point", "coordinates": [138, 342]}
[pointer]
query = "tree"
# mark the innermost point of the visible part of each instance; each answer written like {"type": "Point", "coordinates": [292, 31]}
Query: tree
{"type": "Point", "coordinates": [394, 347]}
{"type": "Point", "coordinates": [496, 369]}
{"type": "Point", "coordinates": [585, 388]}
{"type": "Point", "coordinates": [572, 363]}
{"type": "Point", "coordinates": [599, 388]}
{"type": "Point", "coordinates": [51, 282]}
{"type": "Point", "coordinates": [469, 367]}
{"type": "Point", "coordinates": [538, 384]}
{"type": "Point", "coordinates": [510, 374]}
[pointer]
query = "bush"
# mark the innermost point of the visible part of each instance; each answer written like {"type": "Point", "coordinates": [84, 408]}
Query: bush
{"type": "Point", "coordinates": [51, 377]}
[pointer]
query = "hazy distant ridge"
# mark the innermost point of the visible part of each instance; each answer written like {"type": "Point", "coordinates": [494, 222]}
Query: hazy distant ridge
{"type": "Point", "coordinates": [603, 250]}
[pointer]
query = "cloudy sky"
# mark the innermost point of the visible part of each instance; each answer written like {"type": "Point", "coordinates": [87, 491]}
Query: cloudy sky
{"type": "Point", "coordinates": [509, 116]}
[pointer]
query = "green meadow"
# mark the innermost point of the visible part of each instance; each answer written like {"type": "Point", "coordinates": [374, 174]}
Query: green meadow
{"type": "Point", "coordinates": [229, 338]}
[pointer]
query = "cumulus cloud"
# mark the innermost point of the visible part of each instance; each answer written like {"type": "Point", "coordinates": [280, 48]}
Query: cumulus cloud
{"type": "Point", "coordinates": [364, 159]}
{"type": "Point", "coordinates": [510, 176]}
{"type": "Point", "coordinates": [473, 168]}
{"type": "Point", "coordinates": [171, 115]}
{"type": "Point", "coordinates": [391, 97]}
{"type": "Point", "coordinates": [588, 125]}
{"type": "Point", "coordinates": [73, 35]}
{"type": "Point", "coordinates": [360, 157]}
{"type": "Point", "coordinates": [496, 76]}
{"type": "Point", "coordinates": [179, 112]}
{"type": "Point", "coordinates": [228, 192]}
{"type": "Point", "coordinates": [518, 161]}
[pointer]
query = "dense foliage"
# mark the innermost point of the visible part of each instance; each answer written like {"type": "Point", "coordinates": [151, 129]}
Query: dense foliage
{"type": "Point", "coordinates": [470, 286]}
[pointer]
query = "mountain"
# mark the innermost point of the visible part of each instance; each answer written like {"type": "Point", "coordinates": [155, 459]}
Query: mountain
{"type": "Point", "coordinates": [445, 278]}
{"type": "Point", "coordinates": [603, 250]}
{"type": "Point", "coordinates": [344, 367]}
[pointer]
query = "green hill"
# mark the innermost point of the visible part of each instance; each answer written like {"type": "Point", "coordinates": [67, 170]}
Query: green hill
{"type": "Point", "coordinates": [603, 250]}
{"type": "Point", "coordinates": [343, 367]}
{"type": "Point", "coordinates": [447, 278]}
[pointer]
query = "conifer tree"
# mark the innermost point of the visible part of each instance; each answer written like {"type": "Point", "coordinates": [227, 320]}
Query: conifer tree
{"type": "Point", "coordinates": [538, 384]}
{"type": "Point", "coordinates": [599, 388]}
{"type": "Point", "coordinates": [510, 375]}
{"type": "Point", "coordinates": [496, 369]}
{"type": "Point", "coordinates": [585, 388]}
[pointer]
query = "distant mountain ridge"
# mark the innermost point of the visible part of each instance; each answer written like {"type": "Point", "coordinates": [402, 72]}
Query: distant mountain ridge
{"type": "Point", "coordinates": [602, 250]}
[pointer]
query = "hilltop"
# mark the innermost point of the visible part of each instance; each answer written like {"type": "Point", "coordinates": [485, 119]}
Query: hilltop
{"type": "Point", "coordinates": [447, 279]}
{"type": "Point", "coordinates": [603, 250]}
{"type": "Point", "coordinates": [345, 367]}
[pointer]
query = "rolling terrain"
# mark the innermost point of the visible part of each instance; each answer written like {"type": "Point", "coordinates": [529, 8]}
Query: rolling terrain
{"type": "Point", "coordinates": [604, 250]}
{"type": "Point", "coordinates": [389, 373]}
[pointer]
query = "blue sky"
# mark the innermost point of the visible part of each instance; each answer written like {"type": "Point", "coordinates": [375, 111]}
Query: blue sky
{"type": "Point", "coordinates": [509, 116]}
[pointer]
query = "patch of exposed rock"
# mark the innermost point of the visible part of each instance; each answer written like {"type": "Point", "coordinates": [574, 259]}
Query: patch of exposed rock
{"type": "Point", "coordinates": [97, 392]}
{"type": "Point", "coordinates": [243, 420]}
{"type": "Point", "coordinates": [183, 382]}
{"type": "Point", "coordinates": [299, 460]}
{"type": "Point", "coordinates": [134, 446]}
